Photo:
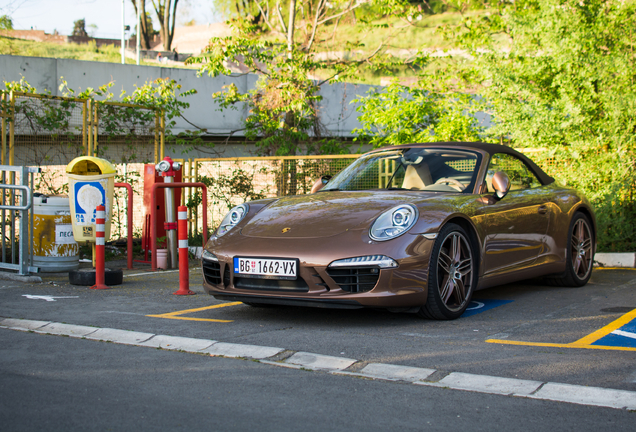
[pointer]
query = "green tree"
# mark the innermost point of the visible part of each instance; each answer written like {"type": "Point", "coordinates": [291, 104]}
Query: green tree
{"type": "Point", "coordinates": [79, 28]}
{"type": "Point", "coordinates": [6, 23]}
{"type": "Point", "coordinates": [566, 83]}
{"type": "Point", "coordinates": [281, 47]}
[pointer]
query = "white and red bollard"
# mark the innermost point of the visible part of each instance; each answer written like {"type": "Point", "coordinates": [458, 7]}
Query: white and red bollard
{"type": "Point", "coordinates": [184, 262]}
{"type": "Point", "coordinates": [100, 248]}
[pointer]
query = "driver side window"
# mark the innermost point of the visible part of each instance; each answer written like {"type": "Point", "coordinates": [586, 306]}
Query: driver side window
{"type": "Point", "coordinates": [518, 173]}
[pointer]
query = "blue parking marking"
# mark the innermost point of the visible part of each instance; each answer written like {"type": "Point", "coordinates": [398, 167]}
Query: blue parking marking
{"type": "Point", "coordinates": [478, 306]}
{"type": "Point", "coordinates": [624, 336]}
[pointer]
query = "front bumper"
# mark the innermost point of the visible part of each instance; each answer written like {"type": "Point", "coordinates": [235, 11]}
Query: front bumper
{"type": "Point", "coordinates": [319, 285]}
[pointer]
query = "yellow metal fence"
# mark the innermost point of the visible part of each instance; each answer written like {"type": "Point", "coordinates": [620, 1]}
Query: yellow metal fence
{"type": "Point", "coordinates": [39, 130]}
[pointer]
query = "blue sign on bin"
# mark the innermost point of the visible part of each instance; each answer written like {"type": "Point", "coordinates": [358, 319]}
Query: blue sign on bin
{"type": "Point", "coordinates": [88, 195]}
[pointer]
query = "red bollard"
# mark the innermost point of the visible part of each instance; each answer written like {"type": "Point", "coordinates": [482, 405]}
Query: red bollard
{"type": "Point", "coordinates": [184, 263]}
{"type": "Point", "coordinates": [100, 249]}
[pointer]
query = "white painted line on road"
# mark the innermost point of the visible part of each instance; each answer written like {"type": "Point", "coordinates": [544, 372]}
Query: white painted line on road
{"type": "Point", "coordinates": [569, 393]}
{"type": "Point", "coordinates": [177, 343]}
{"type": "Point", "coordinates": [319, 362]}
{"type": "Point", "coordinates": [394, 372]}
{"type": "Point", "coordinates": [48, 298]}
{"type": "Point", "coordinates": [624, 334]}
{"type": "Point", "coordinates": [120, 336]}
{"type": "Point", "coordinates": [21, 324]}
{"type": "Point", "coordinates": [582, 395]}
{"type": "Point", "coordinates": [487, 384]}
{"type": "Point", "coordinates": [241, 350]}
{"type": "Point", "coordinates": [151, 273]}
{"type": "Point", "coordinates": [66, 330]}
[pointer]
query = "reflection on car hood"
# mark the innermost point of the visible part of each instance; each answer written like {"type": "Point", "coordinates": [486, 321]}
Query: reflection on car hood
{"type": "Point", "coordinates": [326, 214]}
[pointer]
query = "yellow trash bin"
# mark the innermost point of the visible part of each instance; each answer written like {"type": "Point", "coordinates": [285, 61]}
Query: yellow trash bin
{"type": "Point", "coordinates": [91, 182]}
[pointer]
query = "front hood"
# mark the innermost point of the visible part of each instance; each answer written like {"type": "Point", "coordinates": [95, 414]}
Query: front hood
{"type": "Point", "coordinates": [326, 214]}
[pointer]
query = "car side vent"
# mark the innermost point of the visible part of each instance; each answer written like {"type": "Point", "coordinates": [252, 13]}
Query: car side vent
{"type": "Point", "coordinates": [355, 279]}
{"type": "Point", "coordinates": [322, 282]}
{"type": "Point", "coordinates": [212, 272]}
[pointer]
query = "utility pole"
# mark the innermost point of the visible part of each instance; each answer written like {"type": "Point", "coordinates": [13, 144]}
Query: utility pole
{"type": "Point", "coordinates": [290, 28]}
{"type": "Point", "coordinates": [123, 32]}
{"type": "Point", "coordinates": [138, 31]}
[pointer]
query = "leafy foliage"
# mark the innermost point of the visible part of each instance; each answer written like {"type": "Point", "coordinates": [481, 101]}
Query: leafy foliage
{"type": "Point", "coordinates": [567, 84]}
{"type": "Point", "coordinates": [400, 115]}
{"type": "Point", "coordinates": [6, 23]}
{"type": "Point", "coordinates": [553, 74]}
{"type": "Point", "coordinates": [283, 106]}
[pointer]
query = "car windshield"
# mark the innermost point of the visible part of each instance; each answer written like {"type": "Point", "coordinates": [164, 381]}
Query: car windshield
{"type": "Point", "coordinates": [428, 169]}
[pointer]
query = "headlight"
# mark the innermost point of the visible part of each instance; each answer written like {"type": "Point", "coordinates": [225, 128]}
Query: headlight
{"type": "Point", "coordinates": [209, 256]}
{"type": "Point", "coordinates": [232, 219]}
{"type": "Point", "coordinates": [394, 222]}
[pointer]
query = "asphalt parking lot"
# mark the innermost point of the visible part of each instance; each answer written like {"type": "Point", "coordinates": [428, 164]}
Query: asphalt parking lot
{"type": "Point", "coordinates": [527, 331]}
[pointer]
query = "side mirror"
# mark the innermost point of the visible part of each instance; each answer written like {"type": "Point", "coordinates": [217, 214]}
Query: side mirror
{"type": "Point", "coordinates": [501, 184]}
{"type": "Point", "coordinates": [320, 183]}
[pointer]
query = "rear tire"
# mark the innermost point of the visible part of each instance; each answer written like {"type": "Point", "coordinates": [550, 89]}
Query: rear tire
{"type": "Point", "coordinates": [452, 274]}
{"type": "Point", "coordinates": [579, 254]}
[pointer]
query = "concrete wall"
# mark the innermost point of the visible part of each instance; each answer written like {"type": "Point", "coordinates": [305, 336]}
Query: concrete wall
{"type": "Point", "coordinates": [336, 112]}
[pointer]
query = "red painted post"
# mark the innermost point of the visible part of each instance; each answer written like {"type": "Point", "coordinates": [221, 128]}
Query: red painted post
{"type": "Point", "coordinates": [184, 270]}
{"type": "Point", "coordinates": [100, 249]}
{"type": "Point", "coordinates": [129, 212]}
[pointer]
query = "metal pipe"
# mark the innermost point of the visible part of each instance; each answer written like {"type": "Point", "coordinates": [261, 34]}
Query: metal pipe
{"type": "Point", "coordinates": [163, 134]}
{"type": "Point", "coordinates": [171, 232]}
{"type": "Point", "coordinates": [153, 215]}
{"type": "Point", "coordinates": [129, 214]}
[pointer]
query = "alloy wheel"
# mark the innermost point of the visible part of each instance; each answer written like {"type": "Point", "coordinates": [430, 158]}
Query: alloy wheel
{"type": "Point", "coordinates": [454, 271]}
{"type": "Point", "coordinates": [581, 248]}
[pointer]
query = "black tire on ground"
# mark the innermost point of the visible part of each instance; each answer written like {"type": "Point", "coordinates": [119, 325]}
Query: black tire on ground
{"type": "Point", "coordinates": [579, 257]}
{"type": "Point", "coordinates": [86, 277]}
{"type": "Point", "coordinates": [452, 276]}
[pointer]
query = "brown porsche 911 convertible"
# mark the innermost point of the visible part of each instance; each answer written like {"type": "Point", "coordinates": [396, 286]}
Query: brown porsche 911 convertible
{"type": "Point", "coordinates": [414, 228]}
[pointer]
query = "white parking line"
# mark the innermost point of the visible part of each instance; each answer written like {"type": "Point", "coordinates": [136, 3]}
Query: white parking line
{"type": "Point", "coordinates": [625, 334]}
{"type": "Point", "coordinates": [569, 393]}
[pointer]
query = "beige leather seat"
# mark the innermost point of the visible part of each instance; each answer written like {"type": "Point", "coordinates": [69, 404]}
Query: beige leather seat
{"type": "Point", "coordinates": [417, 176]}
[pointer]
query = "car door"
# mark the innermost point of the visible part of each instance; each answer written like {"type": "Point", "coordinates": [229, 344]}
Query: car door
{"type": "Point", "coordinates": [516, 225]}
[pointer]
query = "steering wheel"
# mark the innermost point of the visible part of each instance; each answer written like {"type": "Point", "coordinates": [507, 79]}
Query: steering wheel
{"type": "Point", "coordinates": [455, 183]}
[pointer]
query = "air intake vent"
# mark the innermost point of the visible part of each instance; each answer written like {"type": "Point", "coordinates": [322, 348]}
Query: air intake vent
{"type": "Point", "coordinates": [212, 272]}
{"type": "Point", "coordinates": [226, 276]}
{"type": "Point", "coordinates": [298, 285]}
{"type": "Point", "coordinates": [355, 279]}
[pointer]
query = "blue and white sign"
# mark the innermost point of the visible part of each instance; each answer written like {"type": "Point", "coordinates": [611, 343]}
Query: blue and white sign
{"type": "Point", "coordinates": [88, 195]}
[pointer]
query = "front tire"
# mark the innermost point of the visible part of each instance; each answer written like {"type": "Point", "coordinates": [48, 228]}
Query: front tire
{"type": "Point", "coordinates": [452, 275]}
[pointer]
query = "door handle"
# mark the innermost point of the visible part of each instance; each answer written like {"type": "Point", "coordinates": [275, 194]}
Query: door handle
{"type": "Point", "coordinates": [543, 209]}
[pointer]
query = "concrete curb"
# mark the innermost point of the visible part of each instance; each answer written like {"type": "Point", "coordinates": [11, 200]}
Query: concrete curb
{"type": "Point", "coordinates": [576, 394]}
{"type": "Point", "coordinates": [19, 278]}
{"type": "Point", "coordinates": [613, 259]}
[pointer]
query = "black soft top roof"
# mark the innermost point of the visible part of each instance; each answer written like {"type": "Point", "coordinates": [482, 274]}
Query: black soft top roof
{"type": "Point", "coordinates": [488, 148]}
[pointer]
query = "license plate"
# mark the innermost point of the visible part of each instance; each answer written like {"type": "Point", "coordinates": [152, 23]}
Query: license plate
{"type": "Point", "coordinates": [266, 268]}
